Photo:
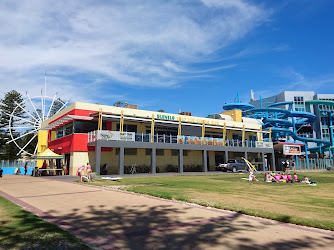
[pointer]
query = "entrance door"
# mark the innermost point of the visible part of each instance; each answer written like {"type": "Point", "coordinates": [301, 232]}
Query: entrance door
{"type": "Point", "coordinates": [219, 158]}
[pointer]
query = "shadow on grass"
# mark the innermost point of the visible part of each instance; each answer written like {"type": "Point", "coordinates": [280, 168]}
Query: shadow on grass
{"type": "Point", "coordinates": [169, 227]}
{"type": "Point", "coordinates": [23, 230]}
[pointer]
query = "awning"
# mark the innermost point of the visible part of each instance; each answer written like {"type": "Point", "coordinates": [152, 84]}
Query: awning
{"type": "Point", "coordinates": [48, 155]}
{"type": "Point", "coordinates": [65, 119]}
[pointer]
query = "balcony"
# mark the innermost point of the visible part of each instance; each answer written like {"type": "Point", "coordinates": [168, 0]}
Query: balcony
{"type": "Point", "coordinates": [163, 138]}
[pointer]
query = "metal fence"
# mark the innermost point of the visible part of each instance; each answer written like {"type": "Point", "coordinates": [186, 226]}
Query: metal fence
{"type": "Point", "coordinates": [315, 164]}
{"type": "Point", "coordinates": [17, 163]}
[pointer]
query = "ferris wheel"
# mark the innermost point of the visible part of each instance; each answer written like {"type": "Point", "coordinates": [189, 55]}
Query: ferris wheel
{"type": "Point", "coordinates": [36, 110]}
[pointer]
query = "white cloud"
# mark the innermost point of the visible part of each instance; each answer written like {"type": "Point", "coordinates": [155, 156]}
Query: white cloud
{"type": "Point", "coordinates": [146, 43]}
{"type": "Point", "coordinates": [293, 80]}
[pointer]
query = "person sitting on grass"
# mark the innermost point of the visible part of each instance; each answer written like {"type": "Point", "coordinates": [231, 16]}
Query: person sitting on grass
{"type": "Point", "coordinates": [289, 178]}
{"type": "Point", "coordinates": [270, 178]}
{"type": "Point", "coordinates": [277, 177]}
{"type": "Point", "coordinates": [252, 177]}
{"type": "Point", "coordinates": [295, 177]}
{"type": "Point", "coordinates": [284, 177]}
{"type": "Point", "coordinates": [306, 180]}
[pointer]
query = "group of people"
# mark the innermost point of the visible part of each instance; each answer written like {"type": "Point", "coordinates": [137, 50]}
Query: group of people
{"type": "Point", "coordinates": [285, 177]}
{"type": "Point", "coordinates": [84, 171]}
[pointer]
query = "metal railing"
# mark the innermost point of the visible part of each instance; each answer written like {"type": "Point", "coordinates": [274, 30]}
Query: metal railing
{"type": "Point", "coordinates": [163, 138]}
{"type": "Point", "coordinates": [16, 163]}
{"type": "Point", "coordinates": [315, 164]}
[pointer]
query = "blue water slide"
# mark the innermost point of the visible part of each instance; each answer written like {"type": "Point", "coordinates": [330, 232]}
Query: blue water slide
{"type": "Point", "coordinates": [237, 105]}
{"type": "Point", "coordinates": [277, 120]}
{"type": "Point", "coordinates": [280, 104]}
{"type": "Point", "coordinates": [270, 112]}
{"type": "Point", "coordinates": [271, 122]}
{"type": "Point", "coordinates": [307, 117]}
{"type": "Point", "coordinates": [325, 144]}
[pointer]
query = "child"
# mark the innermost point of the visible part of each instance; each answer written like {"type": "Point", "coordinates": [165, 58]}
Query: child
{"type": "Point", "coordinates": [289, 178]}
{"type": "Point", "coordinates": [88, 171]}
{"type": "Point", "coordinates": [80, 172]}
{"type": "Point", "coordinates": [252, 177]}
{"type": "Point", "coordinates": [270, 178]}
{"type": "Point", "coordinates": [295, 177]}
{"type": "Point", "coordinates": [306, 180]}
{"type": "Point", "coordinates": [284, 177]}
{"type": "Point", "coordinates": [277, 177]}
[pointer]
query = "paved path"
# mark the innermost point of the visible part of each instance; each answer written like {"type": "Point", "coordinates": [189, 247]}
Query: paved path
{"type": "Point", "coordinates": [111, 219]}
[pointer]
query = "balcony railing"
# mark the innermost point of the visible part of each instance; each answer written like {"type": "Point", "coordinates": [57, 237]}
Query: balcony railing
{"type": "Point", "coordinates": [163, 138]}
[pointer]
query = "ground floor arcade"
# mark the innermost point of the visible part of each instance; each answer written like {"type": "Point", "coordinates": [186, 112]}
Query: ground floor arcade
{"type": "Point", "coordinates": [121, 156]}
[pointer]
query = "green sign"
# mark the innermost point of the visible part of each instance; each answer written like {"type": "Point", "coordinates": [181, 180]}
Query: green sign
{"type": "Point", "coordinates": [166, 117]}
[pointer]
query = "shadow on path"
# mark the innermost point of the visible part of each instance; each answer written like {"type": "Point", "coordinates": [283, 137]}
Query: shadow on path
{"type": "Point", "coordinates": [158, 227]}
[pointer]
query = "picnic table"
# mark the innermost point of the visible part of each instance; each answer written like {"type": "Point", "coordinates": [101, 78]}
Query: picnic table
{"type": "Point", "coordinates": [52, 170]}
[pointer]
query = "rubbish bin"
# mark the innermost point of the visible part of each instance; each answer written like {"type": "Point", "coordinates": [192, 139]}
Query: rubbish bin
{"type": "Point", "coordinates": [35, 172]}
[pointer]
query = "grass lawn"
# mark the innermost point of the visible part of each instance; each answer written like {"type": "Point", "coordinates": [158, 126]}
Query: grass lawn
{"type": "Point", "coordinates": [288, 202]}
{"type": "Point", "coordinates": [20, 229]}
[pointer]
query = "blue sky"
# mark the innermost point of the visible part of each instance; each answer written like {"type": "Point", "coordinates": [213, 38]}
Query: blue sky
{"type": "Point", "coordinates": [193, 55]}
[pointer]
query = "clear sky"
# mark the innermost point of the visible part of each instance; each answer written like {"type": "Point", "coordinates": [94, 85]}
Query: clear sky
{"type": "Point", "coordinates": [193, 55]}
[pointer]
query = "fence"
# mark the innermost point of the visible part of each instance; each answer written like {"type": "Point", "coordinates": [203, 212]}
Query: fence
{"type": "Point", "coordinates": [315, 164]}
{"type": "Point", "coordinates": [163, 138]}
{"type": "Point", "coordinates": [17, 163]}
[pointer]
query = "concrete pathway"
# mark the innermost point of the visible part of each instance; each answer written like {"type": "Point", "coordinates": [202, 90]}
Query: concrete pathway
{"type": "Point", "coordinates": [112, 219]}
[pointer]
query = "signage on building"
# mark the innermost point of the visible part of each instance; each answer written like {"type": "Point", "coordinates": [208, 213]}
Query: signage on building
{"type": "Point", "coordinates": [116, 135]}
{"type": "Point", "coordinates": [263, 144]}
{"type": "Point", "coordinates": [186, 119]}
{"type": "Point", "coordinates": [291, 149]}
{"type": "Point", "coordinates": [199, 140]}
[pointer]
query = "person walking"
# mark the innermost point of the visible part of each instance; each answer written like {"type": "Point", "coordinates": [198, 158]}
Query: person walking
{"type": "Point", "coordinates": [26, 168]}
{"type": "Point", "coordinates": [88, 171]}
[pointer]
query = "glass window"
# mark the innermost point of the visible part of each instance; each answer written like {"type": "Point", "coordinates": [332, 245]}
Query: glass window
{"type": "Point", "coordinates": [299, 104]}
{"type": "Point", "coordinates": [130, 151]}
{"type": "Point", "coordinates": [175, 152]}
{"type": "Point", "coordinates": [160, 152]}
{"type": "Point", "coordinates": [148, 151]}
{"type": "Point", "coordinates": [59, 133]}
{"type": "Point", "coordinates": [69, 128]}
{"type": "Point", "coordinates": [127, 128]}
{"type": "Point", "coordinates": [86, 126]}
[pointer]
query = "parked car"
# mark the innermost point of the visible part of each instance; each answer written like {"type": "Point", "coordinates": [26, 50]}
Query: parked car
{"type": "Point", "coordinates": [234, 165]}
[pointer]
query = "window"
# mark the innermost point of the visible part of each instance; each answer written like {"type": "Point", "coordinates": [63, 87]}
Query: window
{"type": "Point", "coordinates": [299, 104]}
{"type": "Point", "coordinates": [127, 128]}
{"type": "Point", "coordinates": [185, 152]}
{"type": "Point", "coordinates": [59, 133]}
{"type": "Point", "coordinates": [69, 128]}
{"type": "Point", "coordinates": [86, 126]}
{"type": "Point", "coordinates": [175, 152]}
{"type": "Point", "coordinates": [324, 108]}
{"type": "Point", "coordinates": [252, 137]}
{"type": "Point", "coordinates": [324, 121]}
{"type": "Point", "coordinates": [148, 151]}
{"type": "Point", "coordinates": [237, 137]}
{"type": "Point", "coordinates": [130, 151]}
{"type": "Point", "coordinates": [325, 134]}
{"type": "Point", "coordinates": [160, 152]}
{"type": "Point", "coordinates": [127, 151]}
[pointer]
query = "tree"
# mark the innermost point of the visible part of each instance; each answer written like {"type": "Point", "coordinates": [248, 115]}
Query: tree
{"type": "Point", "coordinates": [7, 106]}
{"type": "Point", "coordinates": [57, 105]}
{"type": "Point", "coordinates": [161, 110]}
{"type": "Point", "coordinates": [118, 104]}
